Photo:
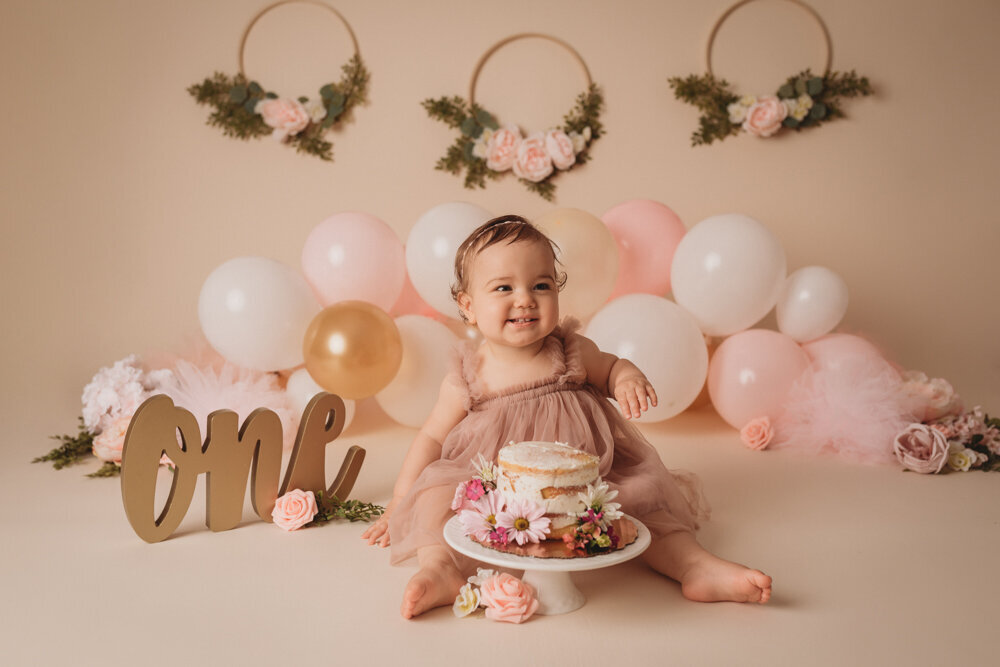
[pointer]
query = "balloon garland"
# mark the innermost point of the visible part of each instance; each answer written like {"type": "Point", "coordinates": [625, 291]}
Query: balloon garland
{"type": "Point", "coordinates": [486, 150]}
{"type": "Point", "coordinates": [244, 109]}
{"type": "Point", "coordinates": [803, 100]}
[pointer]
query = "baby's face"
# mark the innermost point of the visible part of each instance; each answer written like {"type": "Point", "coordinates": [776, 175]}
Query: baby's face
{"type": "Point", "coordinates": [512, 295]}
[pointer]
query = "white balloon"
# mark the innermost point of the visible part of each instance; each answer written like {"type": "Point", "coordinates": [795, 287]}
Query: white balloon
{"type": "Point", "coordinates": [411, 395]}
{"type": "Point", "coordinates": [663, 340]}
{"type": "Point", "coordinates": [431, 247]}
{"type": "Point", "coordinates": [254, 311]}
{"type": "Point", "coordinates": [300, 390]}
{"type": "Point", "coordinates": [812, 302]}
{"type": "Point", "coordinates": [727, 272]}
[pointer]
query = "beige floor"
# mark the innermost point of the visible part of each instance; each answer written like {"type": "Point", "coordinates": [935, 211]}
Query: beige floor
{"type": "Point", "coordinates": [871, 566]}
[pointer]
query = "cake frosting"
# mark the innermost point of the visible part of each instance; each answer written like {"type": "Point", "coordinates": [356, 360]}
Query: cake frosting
{"type": "Point", "coordinates": [551, 474]}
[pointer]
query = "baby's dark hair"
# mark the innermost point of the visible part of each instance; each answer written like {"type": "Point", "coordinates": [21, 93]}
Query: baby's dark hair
{"type": "Point", "coordinates": [506, 228]}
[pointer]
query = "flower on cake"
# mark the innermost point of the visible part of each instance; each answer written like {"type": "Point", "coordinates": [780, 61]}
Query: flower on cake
{"type": "Point", "coordinates": [480, 518]}
{"type": "Point", "coordinates": [598, 498]}
{"type": "Point", "coordinates": [524, 521]}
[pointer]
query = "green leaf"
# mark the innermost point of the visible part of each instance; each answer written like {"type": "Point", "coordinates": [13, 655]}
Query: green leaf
{"type": "Point", "coordinates": [327, 91]}
{"type": "Point", "coordinates": [786, 91]}
{"type": "Point", "coordinates": [814, 86]}
{"type": "Point", "coordinates": [471, 128]}
{"type": "Point", "coordinates": [790, 122]}
{"type": "Point", "coordinates": [237, 94]}
{"type": "Point", "coordinates": [486, 119]}
{"type": "Point", "coordinates": [255, 89]}
{"type": "Point", "coordinates": [818, 111]}
{"type": "Point", "coordinates": [800, 86]}
{"type": "Point", "coordinates": [334, 110]}
{"type": "Point", "coordinates": [303, 99]}
{"type": "Point", "coordinates": [468, 151]}
{"type": "Point", "coordinates": [335, 99]}
{"type": "Point", "coordinates": [249, 106]}
{"type": "Point", "coordinates": [271, 96]}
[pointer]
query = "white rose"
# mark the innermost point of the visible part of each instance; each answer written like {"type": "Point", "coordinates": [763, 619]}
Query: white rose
{"type": "Point", "coordinates": [579, 143]}
{"type": "Point", "coordinates": [748, 100]}
{"type": "Point", "coordinates": [737, 113]}
{"type": "Point", "coordinates": [481, 575]}
{"type": "Point", "coordinates": [466, 602]}
{"type": "Point", "coordinates": [316, 110]}
{"type": "Point", "coordinates": [481, 148]}
{"type": "Point", "coordinates": [961, 460]}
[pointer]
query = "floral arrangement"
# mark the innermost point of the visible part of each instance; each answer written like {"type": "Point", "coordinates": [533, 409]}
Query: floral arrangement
{"type": "Point", "coordinates": [244, 109]}
{"type": "Point", "coordinates": [594, 532]}
{"type": "Point", "coordinates": [301, 509]}
{"type": "Point", "coordinates": [484, 150]}
{"type": "Point", "coordinates": [505, 597]}
{"type": "Point", "coordinates": [804, 100]}
{"type": "Point", "coordinates": [488, 517]}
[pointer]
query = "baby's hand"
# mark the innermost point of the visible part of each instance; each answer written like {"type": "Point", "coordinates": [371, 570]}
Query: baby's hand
{"type": "Point", "coordinates": [634, 395]}
{"type": "Point", "coordinates": [378, 532]}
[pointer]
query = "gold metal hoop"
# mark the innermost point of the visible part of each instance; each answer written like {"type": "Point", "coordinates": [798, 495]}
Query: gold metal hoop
{"type": "Point", "coordinates": [317, 3]}
{"type": "Point", "coordinates": [523, 35]}
{"type": "Point", "coordinates": [728, 12]}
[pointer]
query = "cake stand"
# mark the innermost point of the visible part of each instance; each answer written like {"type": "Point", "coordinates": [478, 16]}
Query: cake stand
{"type": "Point", "coordinates": [550, 577]}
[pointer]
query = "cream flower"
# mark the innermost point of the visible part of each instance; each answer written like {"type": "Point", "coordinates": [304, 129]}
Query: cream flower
{"type": "Point", "coordinates": [481, 575]}
{"type": "Point", "coordinates": [485, 470]}
{"type": "Point", "coordinates": [315, 109]}
{"type": "Point", "coordinates": [737, 113]}
{"type": "Point", "coordinates": [466, 602]}
{"type": "Point", "coordinates": [599, 498]}
{"type": "Point", "coordinates": [482, 146]}
{"type": "Point", "coordinates": [960, 460]}
{"type": "Point", "coordinates": [748, 100]}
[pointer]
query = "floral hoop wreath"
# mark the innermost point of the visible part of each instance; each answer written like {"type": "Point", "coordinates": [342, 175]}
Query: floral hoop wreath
{"type": "Point", "coordinates": [486, 150]}
{"type": "Point", "coordinates": [245, 110]}
{"type": "Point", "coordinates": [803, 100]}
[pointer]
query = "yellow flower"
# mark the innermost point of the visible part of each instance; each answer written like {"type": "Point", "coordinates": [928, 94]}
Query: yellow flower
{"type": "Point", "coordinates": [961, 461]}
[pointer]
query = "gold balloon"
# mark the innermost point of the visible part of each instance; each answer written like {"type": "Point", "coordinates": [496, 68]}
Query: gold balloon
{"type": "Point", "coordinates": [352, 349]}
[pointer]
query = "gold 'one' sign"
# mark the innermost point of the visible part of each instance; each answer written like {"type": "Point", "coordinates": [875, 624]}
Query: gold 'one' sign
{"type": "Point", "coordinates": [227, 457]}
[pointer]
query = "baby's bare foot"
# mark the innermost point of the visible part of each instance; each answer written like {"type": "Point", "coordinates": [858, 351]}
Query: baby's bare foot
{"type": "Point", "coordinates": [712, 579]}
{"type": "Point", "coordinates": [431, 587]}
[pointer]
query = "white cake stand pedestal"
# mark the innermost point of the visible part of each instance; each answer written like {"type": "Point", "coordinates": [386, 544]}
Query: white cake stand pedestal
{"type": "Point", "coordinates": [550, 577]}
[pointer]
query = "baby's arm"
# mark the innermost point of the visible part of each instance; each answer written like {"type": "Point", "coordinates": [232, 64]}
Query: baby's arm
{"type": "Point", "coordinates": [619, 378]}
{"type": "Point", "coordinates": [425, 449]}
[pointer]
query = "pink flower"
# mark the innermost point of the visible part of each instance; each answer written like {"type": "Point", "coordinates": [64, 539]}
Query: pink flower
{"type": "Point", "coordinates": [507, 599]}
{"type": "Point", "coordinates": [294, 509]}
{"type": "Point", "coordinates": [935, 398]}
{"type": "Point", "coordinates": [533, 162]}
{"type": "Point", "coordinates": [480, 519]}
{"type": "Point", "coordinates": [475, 490]}
{"type": "Point", "coordinates": [560, 148]}
{"type": "Point", "coordinates": [764, 118]}
{"type": "Point", "coordinates": [757, 433]}
{"type": "Point", "coordinates": [524, 521]}
{"type": "Point", "coordinates": [458, 502]}
{"type": "Point", "coordinates": [502, 149]}
{"type": "Point", "coordinates": [108, 445]}
{"type": "Point", "coordinates": [287, 117]}
{"type": "Point", "coordinates": [921, 449]}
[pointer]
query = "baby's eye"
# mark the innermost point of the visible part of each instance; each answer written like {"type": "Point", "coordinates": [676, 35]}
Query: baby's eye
{"type": "Point", "coordinates": [543, 286]}
{"type": "Point", "coordinates": [502, 288]}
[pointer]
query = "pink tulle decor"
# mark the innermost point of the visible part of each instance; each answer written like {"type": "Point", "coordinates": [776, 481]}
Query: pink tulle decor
{"type": "Point", "coordinates": [204, 390]}
{"type": "Point", "coordinates": [854, 410]}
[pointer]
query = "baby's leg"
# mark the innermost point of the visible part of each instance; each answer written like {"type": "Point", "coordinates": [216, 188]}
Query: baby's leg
{"type": "Point", "coordinates": [704, 577]}
{"type": "Point", "coordinates": [436, 584]}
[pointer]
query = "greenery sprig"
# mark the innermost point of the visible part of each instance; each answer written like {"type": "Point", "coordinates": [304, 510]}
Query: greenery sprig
{"type": "Point", "coordinates": [73, 450]}
{"type": "Point", "coordinates": [582, 126]}
{"type": "Point", "coordinates": [234, 102]}
{"type": "Point", "coordinates": [330, 508]}
{"type": "Point", "coordinates": [810, 100]}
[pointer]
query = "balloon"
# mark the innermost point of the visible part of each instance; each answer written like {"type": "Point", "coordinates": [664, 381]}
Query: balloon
{"type": "Point", "coordinates": [300, 390]}
{"type": "Point", "coordinates": [834, 352]}
{"type": "Point", "coordinates": [354, 256]}
{"type": "Point", "coordinates": [812, 302]}
{"type": "Point", "coordinates": [352, 349]}
{"type": "Point", "coordinates": [431, 247]}
{"type": "Point", "coordinates": [727, 272]}
{"type": "Point", "coordinates": [411, 395]}
{"type": "Point", "coordinates": [663, 340]}
{"type": "Point", "coordinates": [646, 233]}
{"type": "Point", "coordinates": [254, 310]}
{"type": "Point", "coordinates": [751, 374]}
{"type": "Point", "coordinates": [589, 256]}
{"type": "Point", "coordinates": [410, 303]}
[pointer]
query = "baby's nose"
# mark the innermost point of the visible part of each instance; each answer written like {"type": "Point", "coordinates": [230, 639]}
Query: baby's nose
{"type": "Point", "coordinates": [525, 298]}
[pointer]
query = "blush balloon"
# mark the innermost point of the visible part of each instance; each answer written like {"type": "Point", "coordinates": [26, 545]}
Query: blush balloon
{"type": "Point", "coordinates": [647, 234]}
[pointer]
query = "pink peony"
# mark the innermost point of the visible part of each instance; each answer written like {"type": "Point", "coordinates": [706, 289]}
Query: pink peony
{"type": "Point", "coordinates": [294, 509]}
{"type": "Point", "coordinates": [533, 162]}
{"type": "Point", "coordinates": [287, 117]}
{"type": "Point", "coordinates": [764, 118]}
{"type": "Point", "coordinates": [524, 521]}
{"type": "Point", "coordinates": [508, 599]}
{"type": "Point", "coordinates": [560, 148]}
{"type": "Point", "coordinates": [934, 398]}
{"type": "Point", "coordinates": [921, 448]}
{"type": "Point", "coordinates": [757, 433]}
{"type": "Point", "coordinates": [108, 445]}
{"type": "Point", "coordinates": [502, 149]}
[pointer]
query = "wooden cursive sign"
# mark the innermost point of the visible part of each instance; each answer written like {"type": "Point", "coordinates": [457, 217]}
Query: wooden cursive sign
{"type": "Point", "coordinates": [227, 458]}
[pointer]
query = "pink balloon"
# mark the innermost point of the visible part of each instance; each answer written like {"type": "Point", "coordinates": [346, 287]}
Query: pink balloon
{"type": "Point", "coordinates": [354, 257]}
{"type": "Point", "coordinates": [831, 352]}
{"type": "Point", "coordinates": [410, 303]}
{"type": "Point", "coordinates": [647, 233]}
{"type": "Point", "coordinates": [751, 372]}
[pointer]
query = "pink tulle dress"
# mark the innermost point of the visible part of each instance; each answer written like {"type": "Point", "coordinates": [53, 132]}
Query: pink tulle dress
{"type": "Point", "coordinates": [561, 407]}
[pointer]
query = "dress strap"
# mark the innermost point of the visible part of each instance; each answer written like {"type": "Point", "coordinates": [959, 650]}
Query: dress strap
{"type": "Point", "coordinates": [572, 358]}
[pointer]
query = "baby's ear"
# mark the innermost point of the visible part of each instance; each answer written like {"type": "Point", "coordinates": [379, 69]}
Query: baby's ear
{"type": "Point", "coordinates": [465, 305]}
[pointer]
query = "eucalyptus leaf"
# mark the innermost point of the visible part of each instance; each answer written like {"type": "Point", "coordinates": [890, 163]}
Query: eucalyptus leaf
{"type": "Point", "coordinates": [255, 88]}
{"type": "Point", "coordinates": [271, 96]}
{"type": "Point", "coordinates": [815, 86]}
{"type": "Point", "coordinates": [471, 128]}
{"type": "Point", "coordinates": [303, 99]}
{"type": "Point", "coordinates": [800, 86]}
{"type": "Point", "coordinates": [486, 119]}
{"type": "Point", "coordinates": [327, 91]}
{"type": "Point", "coordinates": [328, 122]}
{"type": "Point", "coordinates": [468, 151]}
{"type": "Point", "coordinates": [818, 111]}
{"type": "Point", "coordinates": [337, 99]}
{"type": "Point", "coordinates": [786, 91]}
{"type": "Point", "coordinates": [250, 105]}
{"type": "Point", "coordinates": [790, 122]}
{"type": "Point", "coordinates": [238, 94]}
{"type": "Point", "coordinates": [334, 110]}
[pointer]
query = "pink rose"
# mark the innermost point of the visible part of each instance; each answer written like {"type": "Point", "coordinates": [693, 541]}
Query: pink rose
{"type": "Point", "coordinates": [764, 118]}
{"type": "Point", "coordinates": [507, 598]}
{"type": "Point", "coordinates": [533, 162]}
{"type": "Point", "coordinates": [935, 398]}
{"type": "Point", "coordinates": [921, 449]}
{"type": "Point", "coordinates": [502, 149]}
{"type": "Point", "coordinates": [560, 148]}
{"type": "Point", "coordinates": [458, 501]}
{"type": "Point", "coordinates": [285, 116]}
{"type": "Point", "coordinates": [757, 433]}
{"type": "Point", "coordinates": [294, 509]}
{"type": "Point", "coordinates": [108, 445]}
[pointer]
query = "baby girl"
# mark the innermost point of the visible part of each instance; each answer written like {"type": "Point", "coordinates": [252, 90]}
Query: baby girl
{"type": "Point", "coordinates": [534, 378]}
